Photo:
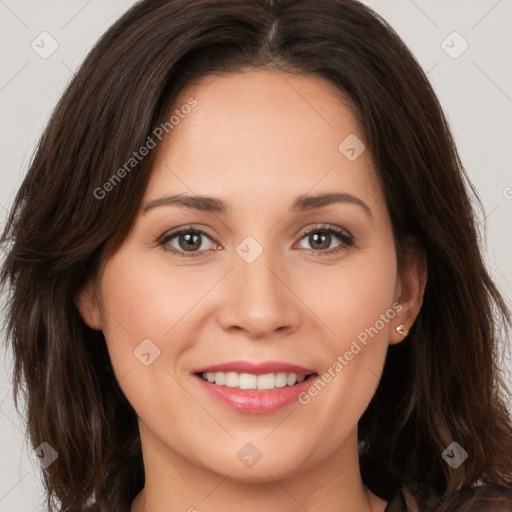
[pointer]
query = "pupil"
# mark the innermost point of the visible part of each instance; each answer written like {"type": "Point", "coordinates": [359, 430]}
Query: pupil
{"type": "Point", "coordinates": [191, 242]}
{"type": "Point", "coordinates": [317, 240]}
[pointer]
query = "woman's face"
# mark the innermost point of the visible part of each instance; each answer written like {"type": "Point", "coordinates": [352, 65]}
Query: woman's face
{"type": "Point", "coordinates": [272, 278]}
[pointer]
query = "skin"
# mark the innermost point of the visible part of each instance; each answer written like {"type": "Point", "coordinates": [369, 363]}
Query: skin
{"type": "Point", "coordinates": [257, 140]}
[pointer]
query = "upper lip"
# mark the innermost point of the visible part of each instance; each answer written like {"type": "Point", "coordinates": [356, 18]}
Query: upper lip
{"type": "Point", "coordinates": [255, 368]}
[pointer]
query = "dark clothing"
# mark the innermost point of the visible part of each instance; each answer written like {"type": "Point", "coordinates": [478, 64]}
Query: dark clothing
{"type": "Point", "coordinates": [397, 504]}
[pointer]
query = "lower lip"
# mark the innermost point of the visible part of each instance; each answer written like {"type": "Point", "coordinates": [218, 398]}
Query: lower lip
{"type": "Point", "coordinates": [256, 402]}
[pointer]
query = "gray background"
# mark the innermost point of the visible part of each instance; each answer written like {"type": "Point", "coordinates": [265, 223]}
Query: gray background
{"type": "Point", "coordinates": [475, 89]}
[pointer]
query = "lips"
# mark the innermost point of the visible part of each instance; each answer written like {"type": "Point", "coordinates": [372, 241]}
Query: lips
{"type": "Point", "coordinates": [217, 381]}
{"type": "Point", "coordinates": [255, 368]}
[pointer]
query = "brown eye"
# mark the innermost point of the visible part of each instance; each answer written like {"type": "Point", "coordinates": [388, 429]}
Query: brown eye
{"type": "Point", "coordinates": [192, 241]}
{"type": "Point", "coordinates": [189, 242]}
{"type": "Point", "coordinates": [321, 239]}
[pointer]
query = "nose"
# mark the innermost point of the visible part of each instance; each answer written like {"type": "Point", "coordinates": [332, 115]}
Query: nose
{"type": "Point", "coordinates": [258, 299]}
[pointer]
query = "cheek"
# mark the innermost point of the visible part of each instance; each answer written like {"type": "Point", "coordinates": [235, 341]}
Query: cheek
{"type": "Point", "coordinates": [356, 298]}
{"type": "Point", "coordinates": [143, 299]}
{"type": "Point", "coordinates": [361, 301]}
{"type": "Point", "coordinates": [143, 308]}
{"type": "Point", "coordinates": [143, 311]}
{"type": "Point", "coordinates": [358, 309]}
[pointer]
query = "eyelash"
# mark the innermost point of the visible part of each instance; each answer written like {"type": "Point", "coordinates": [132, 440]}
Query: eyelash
{"type": "Point", "coordinates": [343, 236]}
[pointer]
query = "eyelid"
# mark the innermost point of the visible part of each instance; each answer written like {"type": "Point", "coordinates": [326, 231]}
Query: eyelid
{"type": "Point", "coordinates": [344, 236]}
{"type": "Point", "coordinates": [186, 227]}
{"type": "Point", "coordinates": [325, 227]}
{"type": "Point", "coordinates": [165, 238]}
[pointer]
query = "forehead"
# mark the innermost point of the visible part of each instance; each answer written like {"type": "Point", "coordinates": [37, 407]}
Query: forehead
{"type": "Point", "coordinates": [265, 135]}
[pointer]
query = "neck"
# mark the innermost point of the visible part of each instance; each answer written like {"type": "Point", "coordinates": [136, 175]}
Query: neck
{"type": "Point", "coordinates": [175, 484]}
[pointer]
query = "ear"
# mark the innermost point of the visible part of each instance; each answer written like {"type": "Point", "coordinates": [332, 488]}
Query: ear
{"type": "Point", "coordinates": [88, 306]}
{"type": "Point", "coordinates": [409, 291]}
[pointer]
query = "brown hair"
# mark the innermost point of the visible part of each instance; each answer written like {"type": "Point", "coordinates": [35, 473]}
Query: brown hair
{"type": "Point", "coordinates": [442, 384]}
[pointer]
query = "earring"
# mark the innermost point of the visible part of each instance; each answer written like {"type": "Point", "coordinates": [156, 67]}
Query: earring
{"type": "Point", "coordinates": [402, 330]}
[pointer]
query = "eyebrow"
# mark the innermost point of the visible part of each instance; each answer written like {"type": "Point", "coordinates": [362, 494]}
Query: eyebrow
{"type": "Point", "coordinates": [303, 203]}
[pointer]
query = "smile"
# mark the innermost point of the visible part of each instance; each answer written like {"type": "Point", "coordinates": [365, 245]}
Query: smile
{"type": "Point", "coordinates": [252, 387]}
{"type": "Point", "coordinates": [248, 381]}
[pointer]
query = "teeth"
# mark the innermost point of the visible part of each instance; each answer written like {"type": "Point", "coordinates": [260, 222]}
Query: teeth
{"type": "Point", "coordinates": [247, 381]}
{"type": "Point", "coordinates": [281, 380]}
{"type": "Point", "coordinates": [266, 381]}
{"type": "Point", "coordinates": [231, 380]}
{"type": "Point", "coordinates": [250, 381]}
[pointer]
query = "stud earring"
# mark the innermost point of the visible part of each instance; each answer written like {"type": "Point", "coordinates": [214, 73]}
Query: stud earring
{"type": "Point", "coordinates": [402, 330]}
